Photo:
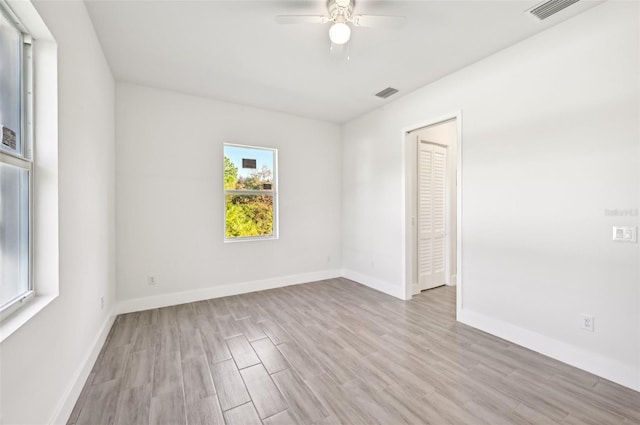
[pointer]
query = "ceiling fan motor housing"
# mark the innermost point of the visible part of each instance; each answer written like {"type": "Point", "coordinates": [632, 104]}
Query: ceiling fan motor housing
{"type": "Point", "coordinates": [339, 8]}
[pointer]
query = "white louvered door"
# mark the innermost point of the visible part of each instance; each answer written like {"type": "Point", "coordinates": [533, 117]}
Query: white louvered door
{"type": "Point", "coordinates": [431, 214]}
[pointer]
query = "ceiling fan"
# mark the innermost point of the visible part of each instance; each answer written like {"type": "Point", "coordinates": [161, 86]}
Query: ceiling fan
{"type": "Point", "coordinates": [340, 14]}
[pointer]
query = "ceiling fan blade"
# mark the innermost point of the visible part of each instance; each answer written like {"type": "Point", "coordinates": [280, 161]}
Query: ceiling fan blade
{"type": "Point", "coordinates": [301, 19]}
{"type": "Point", "coordinates": [374, 21]}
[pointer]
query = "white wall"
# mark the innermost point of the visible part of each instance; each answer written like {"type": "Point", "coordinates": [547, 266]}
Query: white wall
{"type": "Point", "coordinates": [43, 361]}
{"type": "Point", "coordinates": [170, 210]}
{"type": "Point", "coordinates": [550, 137]}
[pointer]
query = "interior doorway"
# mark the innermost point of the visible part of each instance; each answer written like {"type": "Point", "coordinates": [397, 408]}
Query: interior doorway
{"type": "Point", "coordinates": [432, 205]}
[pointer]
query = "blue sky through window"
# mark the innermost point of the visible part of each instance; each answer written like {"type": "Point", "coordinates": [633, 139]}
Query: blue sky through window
{"type": "Point", "coordinates": [263, 157]}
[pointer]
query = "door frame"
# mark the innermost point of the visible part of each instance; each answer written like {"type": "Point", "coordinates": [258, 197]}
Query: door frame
{"type": "Point", "coordinates": [409, 194]}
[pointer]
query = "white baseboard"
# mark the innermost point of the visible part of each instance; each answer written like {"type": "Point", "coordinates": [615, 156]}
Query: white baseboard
{"type": "Point", "coordinates": [375, 283]}
{"type": "Point", "coordinates": [622, 374]}
{"type": "Point", "coordinates": [175, 298]}
{"type": "Point", "coordinates": [70, 396]}
{"type": "Point", "coordinates": [453, 280]}
{"type": "Point", "coordinates": [608, 368]}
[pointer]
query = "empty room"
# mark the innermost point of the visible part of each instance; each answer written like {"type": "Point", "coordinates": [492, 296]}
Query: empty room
{"type": "Point", "coordinates": [319, 212]}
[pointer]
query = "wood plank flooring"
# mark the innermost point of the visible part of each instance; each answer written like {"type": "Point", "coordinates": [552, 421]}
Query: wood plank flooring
{"type": "Point", "coordinates": [332, 352]}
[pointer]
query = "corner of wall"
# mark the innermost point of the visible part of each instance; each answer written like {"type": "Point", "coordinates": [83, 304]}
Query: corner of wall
{"type": "Point", "coordinates": [375, 283]}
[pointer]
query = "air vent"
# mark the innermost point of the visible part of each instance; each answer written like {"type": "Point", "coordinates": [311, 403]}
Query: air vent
{"type": "Point", "coordinates": [551, 7]}
{"type": "Point", "coordinates": [389, 91]}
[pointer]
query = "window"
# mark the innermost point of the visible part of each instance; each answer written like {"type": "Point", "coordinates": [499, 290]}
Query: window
{"type": "Point", "coordinates": [16, 165]}
{"type": "Point", "coordinates": [250, 193]}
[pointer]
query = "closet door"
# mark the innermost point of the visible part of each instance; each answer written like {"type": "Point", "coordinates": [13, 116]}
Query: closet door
{"type": "Point", "coordinates": [432, 173]}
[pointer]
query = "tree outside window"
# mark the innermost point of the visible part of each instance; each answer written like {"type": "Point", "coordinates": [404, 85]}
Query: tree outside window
{"type": "Point", "coordinates": [250, 192]}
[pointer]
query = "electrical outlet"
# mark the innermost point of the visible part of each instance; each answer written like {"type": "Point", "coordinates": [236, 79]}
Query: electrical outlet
{"type": "Point", "coordinates": [587, 322]}
{"type": "Point", "coordinates": [151, 280]}
{"type": "Point", "coordinates": [101, 303]}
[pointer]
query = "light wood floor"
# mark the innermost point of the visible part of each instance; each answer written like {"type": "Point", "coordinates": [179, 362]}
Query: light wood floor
{"type": "Point", "coordinates": [332, 352]}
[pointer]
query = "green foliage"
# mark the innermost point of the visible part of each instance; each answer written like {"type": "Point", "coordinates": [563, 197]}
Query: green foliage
{"type": "Point", "coordinates": [247, 215]}
{"type": "Point", "coordinates": [256, 179]}
{"type": "Point", "coordinates": [230, 174]}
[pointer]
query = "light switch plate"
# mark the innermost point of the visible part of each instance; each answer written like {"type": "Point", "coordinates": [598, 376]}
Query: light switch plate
{"type": "Point", "coordinates": [625, 234]}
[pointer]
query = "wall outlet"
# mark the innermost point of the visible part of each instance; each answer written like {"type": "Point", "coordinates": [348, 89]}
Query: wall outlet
{"type": "Point", "coordinates": [101, 303]}
{"type": "Point", "coordinates": [151, 280]}
{"type": "Point", "coordinates": [587, 322]}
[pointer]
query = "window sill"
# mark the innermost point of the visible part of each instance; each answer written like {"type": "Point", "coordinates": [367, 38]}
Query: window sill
{"type": "Point", "coordinates": [251, 239]}
{"type": "Point", "coordinates": [12, 323]}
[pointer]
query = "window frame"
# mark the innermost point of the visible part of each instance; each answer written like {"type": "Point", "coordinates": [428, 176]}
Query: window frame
{"type": "Point", "coordinates": [273, 193]}
{"type": "Point", "coordinates": [23, 159]}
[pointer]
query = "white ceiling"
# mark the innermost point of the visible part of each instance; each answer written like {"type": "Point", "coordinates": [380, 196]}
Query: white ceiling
{"type": "Point", "coordinates": [235, 51]}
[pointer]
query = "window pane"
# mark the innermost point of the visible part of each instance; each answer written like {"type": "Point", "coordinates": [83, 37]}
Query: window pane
{"type": "Point", "coordinates": [10, 92]}
{"type": "Point", "coordinates": [249, 215]}
{"type": "Point", "coordinates": [248, 168]}
{"type": "Point", "coordinates": [14, 232]}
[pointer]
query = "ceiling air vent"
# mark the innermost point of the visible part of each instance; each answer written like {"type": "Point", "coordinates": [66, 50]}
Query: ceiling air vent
{"type": "Point", "coordinates": [389, 91]}
{"type": "Point", "coordinates": [550, 7]}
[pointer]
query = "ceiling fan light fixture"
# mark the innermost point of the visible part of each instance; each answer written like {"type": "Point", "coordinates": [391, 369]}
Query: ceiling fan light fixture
{"type": "Point", "coordinates": [339, 33]}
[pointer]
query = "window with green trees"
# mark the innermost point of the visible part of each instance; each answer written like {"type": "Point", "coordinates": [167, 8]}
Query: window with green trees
{"type": "Point", "coordinates": [250, 192]}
